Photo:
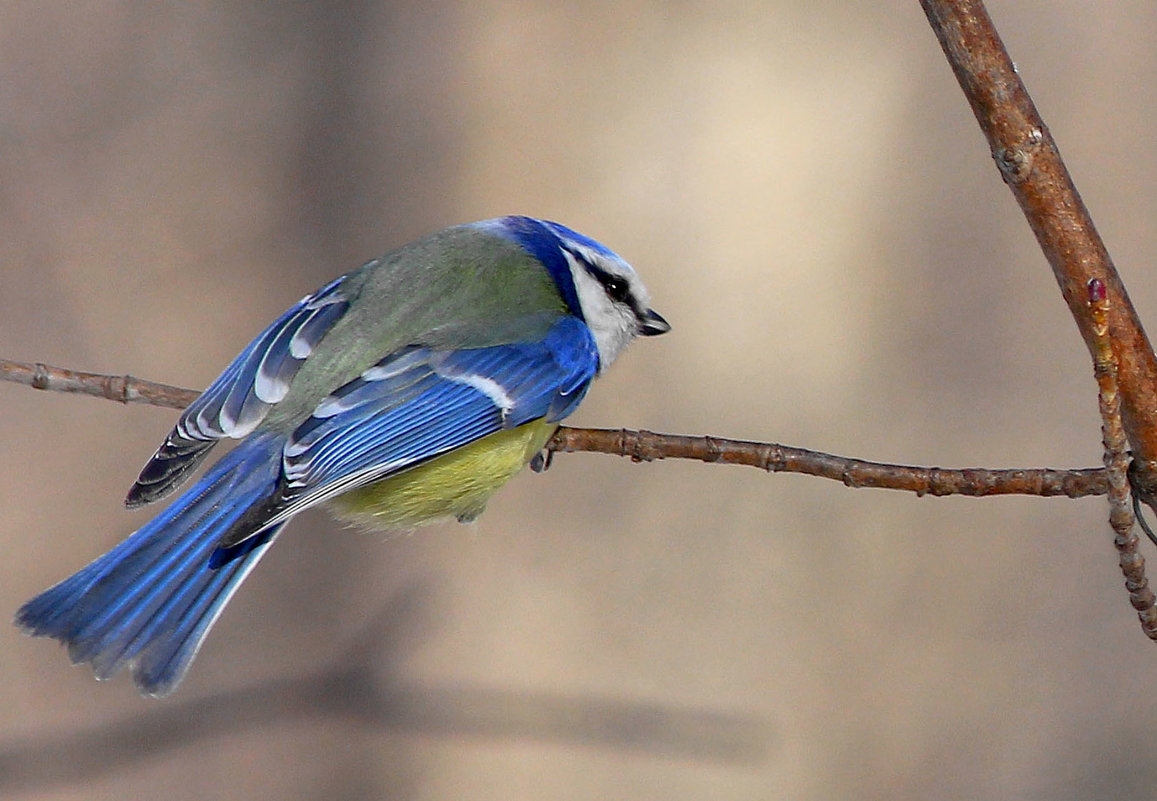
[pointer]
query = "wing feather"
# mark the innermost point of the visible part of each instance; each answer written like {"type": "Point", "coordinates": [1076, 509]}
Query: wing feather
{"type": "Point", "coordinates": [420, 403]}
{"type": "Point", "coordinates": [240, 398]}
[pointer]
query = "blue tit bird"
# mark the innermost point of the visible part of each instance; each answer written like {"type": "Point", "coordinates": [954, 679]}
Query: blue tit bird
{"type": "Point", "coordinates": [406, 391]}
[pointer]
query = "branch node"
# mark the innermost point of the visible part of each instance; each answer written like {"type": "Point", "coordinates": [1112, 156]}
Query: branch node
{"type": "Point", "coordinates": [129, 391]}
{"type": "Point", "coordinates": [713, 449]}
{"type": "Point", "coordinates": [116, 388]}
{"type": "Point", "coordinates": [773, 458]}
{"type": "Point", "coordinates": [1015, 163]}
{"type": "Point", "coordinates": [40, 377]}
{"type": "Point", "coordinates": [639, 446]}
{"type": "Point", "coordinates": [939, 485]}
{"type": "Point", "coordinates": [851, 480]}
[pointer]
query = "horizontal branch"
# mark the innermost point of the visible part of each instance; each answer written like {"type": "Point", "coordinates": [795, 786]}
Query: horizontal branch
{"type": "Point", "coordinates": [647, 446]}
{"type": "Point", "coordinates": [120, 388]}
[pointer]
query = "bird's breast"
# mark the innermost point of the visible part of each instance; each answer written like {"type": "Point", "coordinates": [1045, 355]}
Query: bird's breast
{"type": "Point", "coordinates": [456, 484]}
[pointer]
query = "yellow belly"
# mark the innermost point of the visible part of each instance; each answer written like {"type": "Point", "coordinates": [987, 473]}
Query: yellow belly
{"type": "Point", "coordinates": [457, 484]}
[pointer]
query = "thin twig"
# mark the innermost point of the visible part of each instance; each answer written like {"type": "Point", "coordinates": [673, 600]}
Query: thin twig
{"type": "Point", "coordinates": [1117, 464]}
{"type": "Point", "coordinates": [121, 388]}
{"type": "Point", "coordinates": [1031, 165]}
{"type": "Point", "coordinates": [648, 446]}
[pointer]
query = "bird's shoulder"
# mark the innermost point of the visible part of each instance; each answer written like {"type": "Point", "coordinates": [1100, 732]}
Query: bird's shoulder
{"type": "Point", "coordinates": [457, 289]}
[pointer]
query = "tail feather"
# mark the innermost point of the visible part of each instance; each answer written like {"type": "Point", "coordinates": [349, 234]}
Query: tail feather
{"type": "Point", "coordinates": [174, 634]}
{"type": "Point", "coordinates": [163, 572]}
{"type": "Point", "coordinates": [149, 602]}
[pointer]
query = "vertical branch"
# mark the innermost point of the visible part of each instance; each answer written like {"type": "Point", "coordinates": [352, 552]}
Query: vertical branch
{"type": "Point", "coordinates": [1031, 165]}
{"type": "Point", "coordinates": [1117, 463]}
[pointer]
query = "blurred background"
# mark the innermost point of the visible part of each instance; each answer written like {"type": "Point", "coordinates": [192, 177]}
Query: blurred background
{"type": "Point", "coordinates": [805, 191]}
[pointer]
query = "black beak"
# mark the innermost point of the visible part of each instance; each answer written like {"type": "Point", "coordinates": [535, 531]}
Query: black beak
{"type": "Point", "coordinates": [651, 324]}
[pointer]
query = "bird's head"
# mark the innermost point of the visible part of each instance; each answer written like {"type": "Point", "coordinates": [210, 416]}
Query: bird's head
{"type": "Point", "coordinates": [598, 285]}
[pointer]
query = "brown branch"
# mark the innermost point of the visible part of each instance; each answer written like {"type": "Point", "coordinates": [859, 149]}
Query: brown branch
{"type": "Point", "coordinates": [647, 446]}
{"type": "Point", "coordinates": [1031, 165]}
{"type": "Point", "coordinates": [121, 388]}
{"type": "Point", "coordinates": [1121, 517]}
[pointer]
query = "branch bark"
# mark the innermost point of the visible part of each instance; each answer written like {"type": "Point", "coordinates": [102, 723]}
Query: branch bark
{"type": "Point", "coordinates": [1121, 518]}
{"type": "Point", "coordinates": [647, 446]}
{"type": "Point", "coordinates": [1029, 162]}
{"type": "Point", "coordinates": [120, 388]}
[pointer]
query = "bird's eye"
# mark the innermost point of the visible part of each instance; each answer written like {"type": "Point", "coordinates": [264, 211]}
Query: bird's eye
{"type": "Point", "coordinates": [617, 288]}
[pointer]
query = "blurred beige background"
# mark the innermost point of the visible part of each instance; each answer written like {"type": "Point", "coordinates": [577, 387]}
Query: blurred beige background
{"type": "Point", "coordinates": [806, 193]}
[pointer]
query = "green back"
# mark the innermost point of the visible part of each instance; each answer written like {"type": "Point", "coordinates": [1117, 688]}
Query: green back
{"type": "Point", "coordinates": [459, 288]}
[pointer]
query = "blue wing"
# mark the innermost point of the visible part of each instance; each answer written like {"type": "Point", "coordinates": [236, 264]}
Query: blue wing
{"type": "Point", "coordinates": [420, 403]}
{"type": "Point", "coordinates": [238, 400]}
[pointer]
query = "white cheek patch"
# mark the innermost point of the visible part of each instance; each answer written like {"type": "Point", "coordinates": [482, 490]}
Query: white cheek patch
{"type": "Point", "coordinates": [613, 324]}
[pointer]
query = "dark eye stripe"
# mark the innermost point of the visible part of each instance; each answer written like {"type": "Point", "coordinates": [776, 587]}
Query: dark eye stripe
{"type": "Point", "coordinates": [618, 288]}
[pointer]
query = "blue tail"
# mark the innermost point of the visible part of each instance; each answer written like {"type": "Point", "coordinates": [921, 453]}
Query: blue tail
{"type": "Point", "coordinates": [149, 602]}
